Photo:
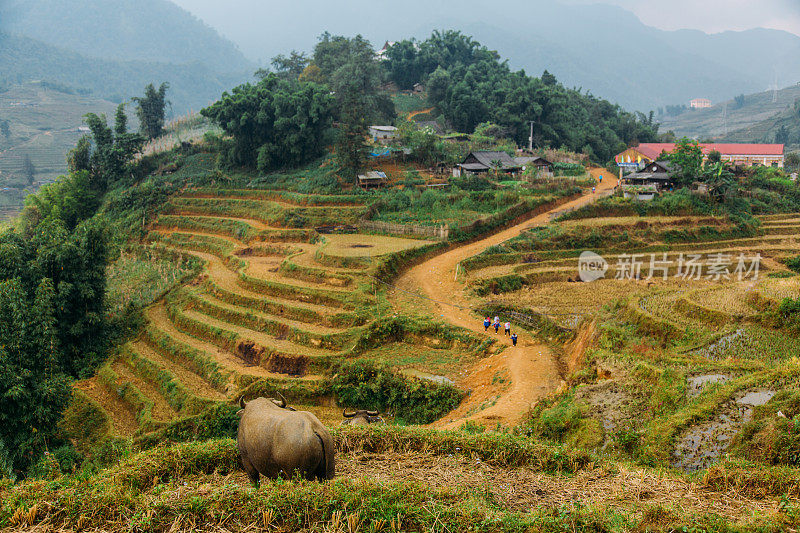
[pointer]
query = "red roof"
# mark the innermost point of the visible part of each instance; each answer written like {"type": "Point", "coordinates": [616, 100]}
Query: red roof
{"type": "Point", "coordinates": [653, 150]}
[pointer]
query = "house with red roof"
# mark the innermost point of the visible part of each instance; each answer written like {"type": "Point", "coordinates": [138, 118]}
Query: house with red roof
{"type": "Point", "coordinates": [746, 155]}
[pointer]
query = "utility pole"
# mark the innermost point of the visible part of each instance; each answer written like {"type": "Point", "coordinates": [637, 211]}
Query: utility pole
{"type": "Point", "coordinates": [725, 119]}
{"type": "Point", "coordinates": [530, 139]}
{"type": "Point", "coordinates": [775, 88]}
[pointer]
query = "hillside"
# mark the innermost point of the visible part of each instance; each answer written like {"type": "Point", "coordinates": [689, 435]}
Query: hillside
{"type": "Point", "coordinates": [153, 31]}
{"type": "Point", "coordinates": [43, 126]}
{"type": "Point", "coordinates": [258, 301]}
{"type": "Point", "coordinates": [756, 120]}
{"type": "Point", "coordinates": [192, 86]}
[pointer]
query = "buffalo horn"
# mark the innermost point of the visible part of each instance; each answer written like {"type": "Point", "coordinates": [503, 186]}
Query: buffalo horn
{"type": "Point", "coordinates": [373, 413]}
{"type": "Point", "coordinates": [348, 415]}
{"type": "Point", "coordinates": [282, 399]}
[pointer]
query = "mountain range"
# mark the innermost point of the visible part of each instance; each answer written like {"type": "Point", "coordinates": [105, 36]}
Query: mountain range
{"type": "Point", "coordinates": [115, 47]}
{"type": "Point", "coordinates": [604, 49]}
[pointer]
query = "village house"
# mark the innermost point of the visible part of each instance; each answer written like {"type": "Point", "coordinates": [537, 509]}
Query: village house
{"type": "Point", "coordinates": [372, 179]}
{"type": "Point", "coordinates": [383, 134]}
{"type": "Point", "coordinates": [381, 55]}
{"type": "Point", "coordinates": [700, 103]}
{"type": "Point", "coordinates": [746, 155]}
{"type": "Point", "coordinates": [483, 161]}
{"type": "Point", "coordinates": [540, 164]}
{"type": "Point", "coordinates": [645, 184]}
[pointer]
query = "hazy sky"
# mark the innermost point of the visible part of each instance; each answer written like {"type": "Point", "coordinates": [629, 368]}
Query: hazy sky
{"type": "Point", "coordinates": [711, 16]}
{"type": "Point", "coordinates": [247, 22]}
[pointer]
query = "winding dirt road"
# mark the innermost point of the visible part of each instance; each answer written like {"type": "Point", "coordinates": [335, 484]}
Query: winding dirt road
{"type": "Point", "coordinates": [507, 384]}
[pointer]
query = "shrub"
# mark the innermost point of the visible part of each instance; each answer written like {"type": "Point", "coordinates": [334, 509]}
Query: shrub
{"type": "Point", "coordinates": [369, 386]}
{"type": "Point", "coordinates": [556, 420]}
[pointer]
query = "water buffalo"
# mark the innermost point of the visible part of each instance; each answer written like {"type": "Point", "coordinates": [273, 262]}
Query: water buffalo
{"type": "Point", "coordinates": [276, 441]}
{"type": "Point", "coordinates": [362, 418]}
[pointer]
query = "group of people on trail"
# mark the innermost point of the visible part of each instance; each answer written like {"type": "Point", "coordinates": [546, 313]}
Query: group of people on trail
{"type": "Point", "coordinates": [600, 180]}
{"type": "Point", "coordinates": [496, 324]}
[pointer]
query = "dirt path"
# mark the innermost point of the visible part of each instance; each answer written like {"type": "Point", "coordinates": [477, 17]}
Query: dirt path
{"type": "Point", "coordinates": [419, 112]}
{"type": "Point", "coordinates": [531, 367]}
{"type": "Point", "coordinates": [256, 224]}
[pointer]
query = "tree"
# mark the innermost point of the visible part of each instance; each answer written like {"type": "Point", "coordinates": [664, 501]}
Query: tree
{"type": "Point", "coordinates": [469, 84]}
{"type": "Point", "coordinates": [782, 135]}
{"type": "Point", "coordinates": [792, 162]}
{"type": "Point", "coordinates": [351, 145]}
{"type": "Point", "coordinates": [275, 123]}
{"type": "Point", "coordinates": [5, 129]}
{"type": "Point", "coordinates": [312, 73]}
{"type": "Point", "coordinates": [52, 327]}
{"type": "Point", "coordinates": [151, 110]}
{"type": "Point", "coordinates": [111, 160]}
{"type": "Point", "coordinates": [713, 157]}
{"type": "Point", "coordinates": [80, 157]}
{"type": "Point", "coordinates": [33, 393]}
{"type": "Point", "coordinates": [403, 64]}
{"type": "Point", "coordinates": [497, 165]}
{"type": "Point", "coordinates": [28, 170]}
{"type": "Point", "coordinates": [739, 100]}
{"type": "Point", "coordinates": [425, 146]}
{"type": "Point", "coordinates": [719, 178]}
{"type": "Point", "coordinates": [292, 66]}
{"type": "Point", "coordinates": [548, 79]}
{"type": "Point", "coordinates": [354, 77]}
{"type": "Point", "coordinates": [120, 121]}
{"type": "Point", "coordinates": [70, 200]}
{"type": "Point", "coordinates": [688, 157]}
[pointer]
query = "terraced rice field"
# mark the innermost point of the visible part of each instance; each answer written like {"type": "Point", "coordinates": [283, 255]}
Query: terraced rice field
{"type": "Point", "coordinates": [546, 274]}
{"type": "Point", "coordinates": [271, 302]}
{"type": "Point", "coordinates": [705, 325]}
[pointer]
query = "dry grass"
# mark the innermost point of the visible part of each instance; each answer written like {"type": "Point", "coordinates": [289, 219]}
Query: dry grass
{"type": "Point", "coordinates": [360, 245]}
{"type": "Point", "coordinates": [778, 289]}
{"type": "Point", "coordinates": [565, 297]}
{"type": "Point", "coordinates": [521, 489]}
{"type": "Point", "coordinates": [633, 220]}
{"type": "Point", "coordinates": [729, 298]}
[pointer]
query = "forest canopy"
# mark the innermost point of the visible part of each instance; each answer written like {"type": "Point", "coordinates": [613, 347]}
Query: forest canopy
{"type": "Point", "coordinates": [469, 84]}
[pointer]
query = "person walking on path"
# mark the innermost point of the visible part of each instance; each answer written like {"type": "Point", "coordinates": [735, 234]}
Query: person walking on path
{"type": "Point", "coordinates": [514, 339]}
{"type": "Point", "coordinates": [496, 323]}
{"type": "Point", "coordinates": [486, 324]}
{"type": "Point", "coordinates": [508, 328]}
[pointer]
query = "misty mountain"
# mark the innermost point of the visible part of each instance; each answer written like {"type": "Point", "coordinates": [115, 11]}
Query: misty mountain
{"type": "Point", "coordinates": [604, 49]}
{"type": "Point", "coordinates": [751, 118]}
{"type": "Point", "coordinates": [192, 86]}
{"type": "Point", "coordinates": [155, 31]}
